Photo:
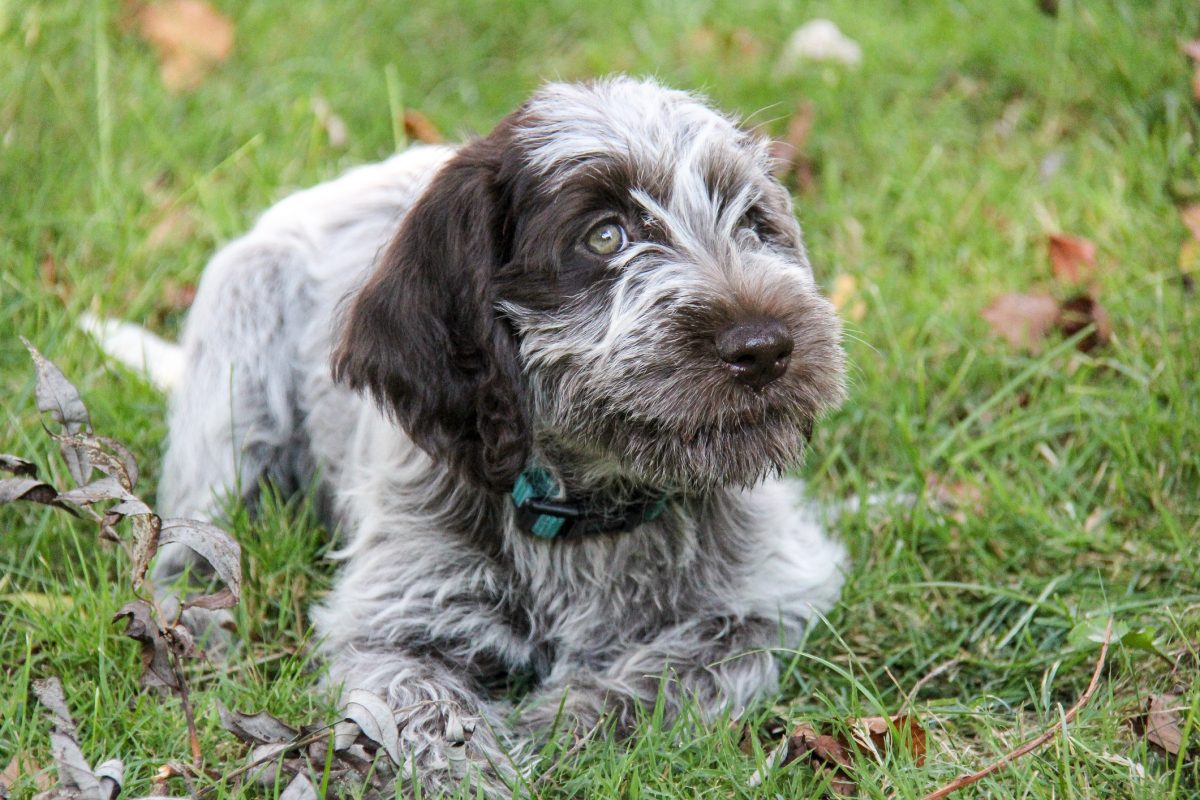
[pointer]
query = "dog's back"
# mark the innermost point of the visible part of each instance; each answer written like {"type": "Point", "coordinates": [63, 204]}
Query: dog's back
{"type": "Point", "coordinates": [256, 380]}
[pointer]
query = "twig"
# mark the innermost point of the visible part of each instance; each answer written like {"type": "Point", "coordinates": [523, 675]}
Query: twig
{"type": "Point", "coordinates": [297, 743]}
{"type": "Point", "coordinates": [1033, 744]}
{"type": "Point", "coordinates": [189, 714]}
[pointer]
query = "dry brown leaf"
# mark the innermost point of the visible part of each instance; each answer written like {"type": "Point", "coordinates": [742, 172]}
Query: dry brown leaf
{"type": "Point", "coordinates": [300, 788]}
{"type": "Point", "coordinates": [157, 669]}
{"type": "Point", "coordinates": [1022, 319]}
{"type": "Point", "coordinates": [31, 490]}
{"type": "Point", "coordinates": [190, 38]}
{"type": "Point", "coordinates": [177, 296]}
{"type": "Point", "coordinates": [420, 127]}
{"type": "Point", "coordinates": [1072, 258]}
{"type": "Point", "coordinates": [375, 719]}
{"type": "Point", "coordinates": [1162, 724]}
{"type": "Point", "coordinates": [1189, 263]}
{"type": "Point", "coordinates": [747, 45]}
{"type": "Point", "coordinates": [23, 766]}
{"type": "Point", "coordinates": [174, 224]}
{"type": "Point", "coordinates": [1080, 311]}
{"type": "Point", "coordinates": [1190, 216]}
{"type": "Point", "coordinates": [788, 153]}
{"type": "Point", "coordinates": [845, 300]}
{"type": "Point", "coordinates": [878, 735]}
{"type": "Point", "coordinates": [218, 548]}
{"type": "Point", "coordinates": [260, 728]}
{"type": "Point", "coordinates": [955, 499]}
{"type": "Point", "coordinates": [48, 270]}
{"type": "Point", "coordinates": [826, 754]}
{"type": "Point", "coordinates": [701, 41]}
{"type": "Point", "coordinates": [59, 398]}
{"type": "Point", "coordinates": [18, 466]}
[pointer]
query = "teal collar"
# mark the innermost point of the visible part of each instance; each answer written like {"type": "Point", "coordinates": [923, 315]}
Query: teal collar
{"type": "Point", "coordinates": [544, 510]}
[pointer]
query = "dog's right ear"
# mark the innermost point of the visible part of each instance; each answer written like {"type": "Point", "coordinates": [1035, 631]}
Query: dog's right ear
{"type": "Point", "coordinates": [422, 335]}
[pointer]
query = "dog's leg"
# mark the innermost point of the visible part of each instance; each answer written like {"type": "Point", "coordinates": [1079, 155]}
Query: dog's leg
{"type": "Point", "coordinates": [718, 663]}
{"type": "Point", "coordinates": [724, 660]}
{"type": "Point", "coordinates": [232, 418]}
{"type": "Point", "coordinates": [428, 698]}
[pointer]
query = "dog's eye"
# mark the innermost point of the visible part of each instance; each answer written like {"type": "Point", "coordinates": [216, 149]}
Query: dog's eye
{"type": "Point", "coordinates": [605, 239]}
{"type": "Point", "coordinates": [752, 222]}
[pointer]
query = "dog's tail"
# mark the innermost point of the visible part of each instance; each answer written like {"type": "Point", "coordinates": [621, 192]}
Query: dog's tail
{"type": "Point", "coordinates": [137, 348]}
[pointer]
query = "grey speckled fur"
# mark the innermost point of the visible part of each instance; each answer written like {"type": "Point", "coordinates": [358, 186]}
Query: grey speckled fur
{"type": "Point", "coordinates": [440, 597]}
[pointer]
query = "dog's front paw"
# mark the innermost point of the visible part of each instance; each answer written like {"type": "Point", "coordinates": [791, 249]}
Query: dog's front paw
{"type": "Point", "coordinates": [581, 710]}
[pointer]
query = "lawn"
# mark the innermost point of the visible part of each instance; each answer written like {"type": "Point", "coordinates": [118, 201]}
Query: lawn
{"type": "Point", "coordinates": [1022, 497]}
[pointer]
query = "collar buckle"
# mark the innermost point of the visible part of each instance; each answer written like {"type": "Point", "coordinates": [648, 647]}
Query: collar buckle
{"type": "Point", "coordinates": [543, 510]}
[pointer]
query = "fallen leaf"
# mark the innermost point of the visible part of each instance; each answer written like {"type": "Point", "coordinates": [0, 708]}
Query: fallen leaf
{"type": "Point", "coordinates": [300, 788]}
{"type": "Point", "coordinates": [1022, 319]}
{"type": "Point", "coordinates": [830, 755]}
{"type": "Point", "coordinates": [1189, 264]}
{"type": "Point", "coordinates": [17, 466]}
{"type": "Point", "coordinates": [845, 300]}
{"type": "Point", "coordinates": [770, 732]}
{"type": "Point", "coordinates": [174, 225]}
{"type": "Point", "coordinates": [31, 490]}
{"type": "Point", "coordinates": [747, 45]}
{"type": "Point", "coordinates": [106, 488]}
{"type": "Point", "coordinates": [1190, 216]}
{"type": "Point", "coordinates": [456, 735]}
{"type": "Point", "coordinates": [177, 296]}
{"type": "Point", "coordinates": [788, 157]}
{"type": "Point", "coordinates": [218, 548]}
{"type": "Point", "coordinates": [1095, 519]}
{"type": "Point", "coordinates": [74, 774]}
{"type": "Point", "coordinates": [190, 38]}
{"type": "Point", "coordinates": [1077, 313]}
{"type": "Point", "coordinates": [826, 754]}
{"type": "Point", "coordinates": [1072, 259]}
{"type": "Point", "coordinates": [48, 270]}
{"type": "Point", "coordinates": [1162, 724]}
{"type": "Point", "coordinates": [22, 766]}
{"type": "Point", "coordinates": [112, 776]}
{"type": "Point", "coordinates": [260, 728]}
{"type": "Point", "coordinates": [59, 398]}
{"type": "Point", "coordinates": [420, 127]}
{"type": "Point", "coordinates": [701, 41]}
{"type": "Point", "coordinates": [157, 669]}
{"type": "Point", "coordinates": [375, 719]}
{"type": "Point", "coordinates": [883, 735]}
{"type": "Point", "coordinates": [954, 496]}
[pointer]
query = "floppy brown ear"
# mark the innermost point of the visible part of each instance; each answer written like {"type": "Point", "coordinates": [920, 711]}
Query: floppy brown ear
{"type": "Point", "coordinates": [422, 335]}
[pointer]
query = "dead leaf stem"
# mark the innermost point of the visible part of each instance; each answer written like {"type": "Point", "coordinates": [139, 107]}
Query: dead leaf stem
{"type": "Point", "coordinates": [1033, 744]}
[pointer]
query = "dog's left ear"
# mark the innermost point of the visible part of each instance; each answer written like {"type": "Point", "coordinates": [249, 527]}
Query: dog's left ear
{"type": "Point", "coordinates": [423, 337]}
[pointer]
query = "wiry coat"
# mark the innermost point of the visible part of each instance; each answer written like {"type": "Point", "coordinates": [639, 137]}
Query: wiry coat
{"type": "Point", "coordinates": [487, 339]}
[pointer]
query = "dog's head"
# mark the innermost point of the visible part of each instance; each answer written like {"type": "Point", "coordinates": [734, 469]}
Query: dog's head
{"type": "Point", "coordinates": [612, 276]}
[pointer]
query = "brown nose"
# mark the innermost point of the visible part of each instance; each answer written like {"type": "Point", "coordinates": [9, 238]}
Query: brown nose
{"type": "Point", "coordinates": [756, 351]}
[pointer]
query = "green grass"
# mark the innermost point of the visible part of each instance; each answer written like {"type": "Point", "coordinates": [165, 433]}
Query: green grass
{"type": "Point", "coordinates": [921, 196]}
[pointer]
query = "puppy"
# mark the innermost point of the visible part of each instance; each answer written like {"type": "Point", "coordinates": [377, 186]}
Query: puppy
{"type": "Point", "coordinates": [571, 362]}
